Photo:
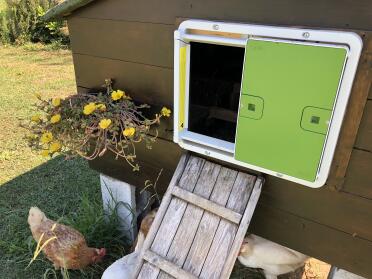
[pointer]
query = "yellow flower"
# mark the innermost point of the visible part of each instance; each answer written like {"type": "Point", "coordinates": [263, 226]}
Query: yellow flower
{"type": "Point", "coordinates": [36, 118]}
{"type": "Point", "coordinates": [104, 123]}
{"type": "Point", "coordinates": [55, 118]}
{"type": "Point", "coordinates": [165, 112]}
{"type": "Point", "coordinates": [89, 108]}
{"type": "Point", "coordinates": [55, 147]}
{"type": "Point", "coordinates": [117, 95]}
{"type": "Point", "coordinates": [45, 153]}
{"type": "Point", "coordinates": [101, 107]}
{"type": "Point", "coordinates": [56, 102]}
{"type": "Point", "coordinates": [129, 132]}
{"type": "Point", "coordinates": [46, 137]}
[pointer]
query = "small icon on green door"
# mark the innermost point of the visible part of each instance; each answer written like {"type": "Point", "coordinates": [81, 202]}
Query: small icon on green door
{"type": "Point", "coordinates": [315, 119]}
{"type": "Point", "coordinates": [251, 106]}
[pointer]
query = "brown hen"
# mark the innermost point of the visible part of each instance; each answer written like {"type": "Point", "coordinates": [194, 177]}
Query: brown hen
{"type": "Point", "coordinates": [67, 247]}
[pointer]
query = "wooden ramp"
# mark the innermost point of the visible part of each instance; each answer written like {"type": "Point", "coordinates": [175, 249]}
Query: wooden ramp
{"type": "Point", "coordinates": [201, 222]}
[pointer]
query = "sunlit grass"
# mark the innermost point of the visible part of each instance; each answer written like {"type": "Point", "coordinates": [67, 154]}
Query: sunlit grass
{"type": "Point", "coordinates": [25, 71]}
{"type": "Point", "coordinates": [2, 5]}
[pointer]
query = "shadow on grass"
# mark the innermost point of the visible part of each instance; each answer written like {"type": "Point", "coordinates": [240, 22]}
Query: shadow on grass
{"type": "Point", "coordinates": [60, 188]}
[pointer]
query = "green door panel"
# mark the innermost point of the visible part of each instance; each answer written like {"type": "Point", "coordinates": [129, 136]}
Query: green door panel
{"type": "Point", "coordinates": [316, 120]}
{"type": "Point", "coordinates": [297, 85]}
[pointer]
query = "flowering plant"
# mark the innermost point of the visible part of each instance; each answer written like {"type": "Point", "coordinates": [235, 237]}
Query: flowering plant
{"type": "Point", "coordinates": [91, 124]}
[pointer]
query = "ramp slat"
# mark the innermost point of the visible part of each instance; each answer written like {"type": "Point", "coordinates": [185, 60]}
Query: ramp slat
{"type": "Point", "coordinates": [207, 205]}
{"type": "Point", "coordinates": [229, 264]}
{"type": "Point", "coordinates": [226, 231]}
{"type": "Point", "coordinates": [167, 266]}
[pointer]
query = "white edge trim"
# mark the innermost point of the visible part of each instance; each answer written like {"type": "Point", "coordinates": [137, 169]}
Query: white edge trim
{"type": "Point", "coordinates": [177, 46]}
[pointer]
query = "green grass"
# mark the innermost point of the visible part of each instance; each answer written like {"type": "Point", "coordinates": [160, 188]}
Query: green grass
{"type": "Point", "coordinates": [25, 71]}
{"type": "Point", "coordinates": [62, 189]}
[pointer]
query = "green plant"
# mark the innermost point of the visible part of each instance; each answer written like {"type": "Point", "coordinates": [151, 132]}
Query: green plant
{"type": "Point", "coordinates": [89, 125]}
{"type": "Point", "coordinates": [21, 22]}
{"type": "Point", "coordinates": [4, 31]}
{"type": "Point", "coordinates": [50, 32]}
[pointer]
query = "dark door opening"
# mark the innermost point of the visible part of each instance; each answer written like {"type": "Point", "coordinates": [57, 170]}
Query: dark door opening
{"type": "Point", "coordinates": [214, 90]}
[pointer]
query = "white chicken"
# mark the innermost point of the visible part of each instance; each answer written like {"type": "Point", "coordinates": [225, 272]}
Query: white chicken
{"type": "Point", "coordinates": [124, 267]}
{"type": "Point", "coordinates": [274, 259]}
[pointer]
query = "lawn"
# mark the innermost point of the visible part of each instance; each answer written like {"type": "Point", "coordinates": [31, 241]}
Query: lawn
{"type": "Point", "coordinates": [24, 72]}
{"type": "Point", "coordinates": [62, 189]}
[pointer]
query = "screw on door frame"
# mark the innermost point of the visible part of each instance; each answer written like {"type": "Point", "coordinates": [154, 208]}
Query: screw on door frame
{"type": "Point", "coordinates": [306, 35]}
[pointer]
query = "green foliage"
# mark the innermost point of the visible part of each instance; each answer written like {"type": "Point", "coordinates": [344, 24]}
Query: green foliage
{"type": "Point", "coordinates": [4, 31]}
{"type": "Point", "coordinates": [20, 23]}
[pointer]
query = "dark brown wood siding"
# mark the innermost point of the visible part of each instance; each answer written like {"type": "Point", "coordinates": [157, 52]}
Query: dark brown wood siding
{"type": "Point", "coordinates": [132, 42]}
{"type": "Point", "coordinates": [135, 78]}
{"type": "Point", "coordinates": [330, 13]}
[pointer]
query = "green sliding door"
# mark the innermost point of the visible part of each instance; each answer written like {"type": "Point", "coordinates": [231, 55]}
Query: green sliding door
{"type": "Point", "coordinates": [288, 93]}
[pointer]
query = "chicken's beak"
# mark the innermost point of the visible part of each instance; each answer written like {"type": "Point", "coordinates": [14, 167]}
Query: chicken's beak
{"type": "Point", "coordinates": [102, 252]}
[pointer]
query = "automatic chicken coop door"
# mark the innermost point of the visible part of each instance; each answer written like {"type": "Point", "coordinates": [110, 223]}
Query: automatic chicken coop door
{"type": "Point", "coordinates": [266, 98]}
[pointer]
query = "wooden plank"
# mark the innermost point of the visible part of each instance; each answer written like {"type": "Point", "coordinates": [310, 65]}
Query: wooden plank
{"type": "Point", "coordinates": [359, 175]}
{"type": "Point", "coordinates": [333, 13]}
{"type": "Point", "coordinates": [138, 42]}
{"type": "Point", "coordinates": [122, 171]}
{"type": "Point", "coordinates": [226, 231]}
{"type": "Point", "coordinates": [164, 155]}
{"type": "Point", "coordinates": [172, 217]}
{"type": "Point", "coordinates": [207, 205]}
{"type": "Point", "coordinates": [364, 138]}
{"type": "Point", "coordinates": [145, 83]}
{"type": "Point", "coordinates": [246, 220]}
{"type": "Point", "coordinates": [167, 266]}
{"type": "Point", "coordinates": [313, 239]}
{"type": "Point", "coordinates": [338, 210]}
{"type": "Point", "coordinates": [353, 116]}
{"type": "Point", "coordinates": [209, 223]}
{"type": "Point", "coordinates": [186, 231]}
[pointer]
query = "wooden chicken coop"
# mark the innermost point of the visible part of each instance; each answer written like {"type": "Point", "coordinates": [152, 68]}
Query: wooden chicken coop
{"type": "Point", "coordinates": [133, 43]}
